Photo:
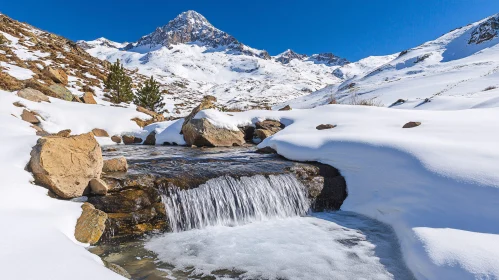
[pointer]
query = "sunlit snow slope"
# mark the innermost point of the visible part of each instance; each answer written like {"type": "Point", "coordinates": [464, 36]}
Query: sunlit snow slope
{"type": "Point", "coordinates": [459, 70]}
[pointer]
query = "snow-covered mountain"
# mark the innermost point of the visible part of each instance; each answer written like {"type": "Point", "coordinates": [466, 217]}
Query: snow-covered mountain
{"type": "Point", "coordinates": [457, 70]}
{"type": "Point", "coordinates": [192, 58]}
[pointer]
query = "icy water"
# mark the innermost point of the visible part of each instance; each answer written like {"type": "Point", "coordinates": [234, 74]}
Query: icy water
{"type": "Point", "coordinates": [251, 227]}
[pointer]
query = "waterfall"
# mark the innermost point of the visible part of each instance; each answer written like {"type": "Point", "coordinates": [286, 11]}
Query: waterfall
{"type": "Point", "coordinates": [229, 201]}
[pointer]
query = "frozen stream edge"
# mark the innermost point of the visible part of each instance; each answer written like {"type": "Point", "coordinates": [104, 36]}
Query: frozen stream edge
{"type": "Point", "coordinates": [329, 245]}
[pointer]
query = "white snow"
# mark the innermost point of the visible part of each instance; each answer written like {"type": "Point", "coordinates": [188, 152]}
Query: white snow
{"type": "Point", "coordinates": [16, 71]}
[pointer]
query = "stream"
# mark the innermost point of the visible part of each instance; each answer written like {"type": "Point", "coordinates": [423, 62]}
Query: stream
{"type": "Point", "coordinates": [248, 219]}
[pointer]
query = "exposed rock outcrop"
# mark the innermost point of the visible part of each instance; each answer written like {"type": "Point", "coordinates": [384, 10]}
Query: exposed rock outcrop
{"type": "Point", "coordinates": [66, 165]}
{"type": "Point", "coordinates": [57, 75]}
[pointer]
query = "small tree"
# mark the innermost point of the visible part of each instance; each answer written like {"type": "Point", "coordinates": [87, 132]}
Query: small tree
{"type": "Point", "coordinates": [119, 84]}
{"type": "Point", "coordinates": [149, 96]}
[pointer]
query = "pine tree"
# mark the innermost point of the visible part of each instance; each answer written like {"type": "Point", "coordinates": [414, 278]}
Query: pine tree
{"type": "Point", "coordinates": [119, 84]}
{"type": "Point", "coordinates": [149, 96]}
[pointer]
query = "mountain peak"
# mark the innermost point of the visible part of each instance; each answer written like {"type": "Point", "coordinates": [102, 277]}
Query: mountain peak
{"type": "Point", "coordinates": [191, 19]}
{"type": "Point", "coordinates": [192, 27]}
{"type": "Point", "coordinates": [187, 27]}
{"type": "Point", "coordinates": [288, 55]}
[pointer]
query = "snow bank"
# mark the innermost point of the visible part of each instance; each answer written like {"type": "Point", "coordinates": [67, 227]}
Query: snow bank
{"type": "Point", "coordinates": [37, 236]}
{"type": "Point", "coordinates": [442, 174]}
{"type": "Point", "coordinates": [80, 117]}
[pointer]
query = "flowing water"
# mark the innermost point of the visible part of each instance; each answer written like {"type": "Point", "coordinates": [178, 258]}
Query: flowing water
{"type": "Point", "coordinates": [241, 225]}
{"type": "Point", "coordinates": [227, 201]}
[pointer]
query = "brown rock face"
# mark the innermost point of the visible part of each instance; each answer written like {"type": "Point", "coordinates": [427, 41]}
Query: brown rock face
{"type": "Point", "coordinates": [118, 164]}
{"type": "Point", "coordinates": [325, 126]}
{"type": "Point", "coordinates": [263, 133]}
{"type": "Point", "coordinates": [98, 186]}
{"type": "Point", "coordinates": [411, 124]}
{"type": "Point", "coordinates": [116, 139]}
{"type": "Point", "coordinates": [267, 128]}
{"type": "Point", "coordinates": [271, 125]}
{"type": "Point", "coordinates": [126, 201]}
{"type": "Point", "coordinates": [200, 132]}
{"type": "Point", "coordinates": [33, 95]}
{"type": "Point", "coordinates": [90, 225]}
{"type": "Point", "coordinates": [66, 165]}
{"type": "Point", "coordinates": [57, 75]}
{"type": "Point", "coordinates": [100, 132]}
{"type": "Point", "coordinates": [130, 139]}
{"type": "Point", "coordinates": [151, 139]}
{"type": "Point", "coordinates": [88, 98]}
{"type": "Point", "coordinates": [206, 103]}
{"type": "Point", "coordinates": [28, 116]}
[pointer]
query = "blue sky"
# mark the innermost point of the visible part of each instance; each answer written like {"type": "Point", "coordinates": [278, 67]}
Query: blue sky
{"type": "Point", "coordinates": [350, 28]}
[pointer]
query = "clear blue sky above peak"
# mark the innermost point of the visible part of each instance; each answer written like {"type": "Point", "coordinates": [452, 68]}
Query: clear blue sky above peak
{"type": "Point", "coordinates": [352, 29]}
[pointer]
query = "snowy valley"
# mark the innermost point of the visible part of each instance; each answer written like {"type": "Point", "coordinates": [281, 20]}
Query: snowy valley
{"type": "Point", "coordinates": [290, 166]}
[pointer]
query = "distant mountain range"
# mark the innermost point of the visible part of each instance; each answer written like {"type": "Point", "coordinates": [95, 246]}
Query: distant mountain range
{"type": "Point", "coordinates": [192, 58]}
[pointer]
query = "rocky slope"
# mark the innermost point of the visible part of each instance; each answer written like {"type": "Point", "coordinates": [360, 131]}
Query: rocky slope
{"type": "Point", "coordinates": [57, 67]}
{"type": "Point", "coordinates": [192, 58]}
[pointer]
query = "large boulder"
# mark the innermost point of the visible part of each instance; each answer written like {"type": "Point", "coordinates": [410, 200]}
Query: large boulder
{"type": "Point", "coordinates": [59, 91]}
{"type": "Point", "coordinates": [56, 75]}
{"type": "Point", "coordinates": [66, 165]}
{"type": "Point", "coordinates": [206, 103]}
{"type": "Point", "coordinates": [33, 95]}
{"type": "Point", "coordinates": [201, 132]}
{"type": "Point", "coordinates": [90, 225]}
